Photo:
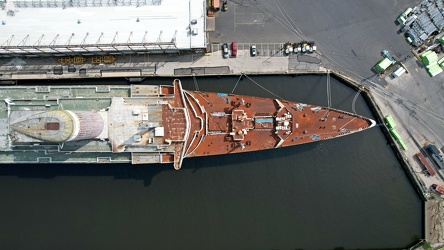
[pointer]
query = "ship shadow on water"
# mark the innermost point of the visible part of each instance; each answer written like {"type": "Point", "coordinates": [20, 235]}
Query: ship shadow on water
{"type": "Point", "coordinates": [239, 159]}
{"type": "Point", "coordinates": [118, 171]}
{"type": "Point", "coordinates": [146, 173]}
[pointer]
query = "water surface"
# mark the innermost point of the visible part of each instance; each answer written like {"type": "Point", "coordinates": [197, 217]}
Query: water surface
{"type": "Point", "coordinates": [349, 192]}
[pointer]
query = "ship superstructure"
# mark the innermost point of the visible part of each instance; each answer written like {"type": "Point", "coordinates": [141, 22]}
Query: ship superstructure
{"type": "Point", "coordinates": [145, 124]}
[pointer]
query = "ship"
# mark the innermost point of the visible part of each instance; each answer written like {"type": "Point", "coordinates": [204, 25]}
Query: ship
{"type": "Point", "coordinates": [144, 124]}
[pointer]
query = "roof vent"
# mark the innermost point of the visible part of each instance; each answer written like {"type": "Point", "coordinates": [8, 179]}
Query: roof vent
{"type": "Point", "coordinates": [159, 131]}
{"type": "Point", "coordinates": [194, 21]}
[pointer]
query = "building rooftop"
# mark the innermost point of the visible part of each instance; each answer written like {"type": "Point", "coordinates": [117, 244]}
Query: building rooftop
{"type": "Point", "coordinates": [82, 26]}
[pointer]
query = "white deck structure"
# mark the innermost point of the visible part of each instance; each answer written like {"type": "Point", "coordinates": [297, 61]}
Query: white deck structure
{"type": "Point", "coordinates": [33, 27]}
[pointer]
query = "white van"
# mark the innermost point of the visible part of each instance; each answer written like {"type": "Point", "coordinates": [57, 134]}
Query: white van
{"type": "Point", "coordinates": [398, 72]}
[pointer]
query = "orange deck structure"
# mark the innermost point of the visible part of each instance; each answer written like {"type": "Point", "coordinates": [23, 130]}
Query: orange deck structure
{"type": "Point", "coordinates": [145, 124]}
{"type": "Point", "coordinates": [228, 123]}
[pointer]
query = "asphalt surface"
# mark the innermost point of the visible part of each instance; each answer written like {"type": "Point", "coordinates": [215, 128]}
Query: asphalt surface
{"type": "Point", "coordinates": [418, 100]}
{"type": "Point", "coordinates": [349, 34]}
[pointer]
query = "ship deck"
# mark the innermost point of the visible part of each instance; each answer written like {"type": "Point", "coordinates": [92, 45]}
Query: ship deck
{"type": "Point", "coordinates": [145, 124]}
{"type": "Point", "coordinates": [237, 123]}
{"type": "Point", "coordinates": [51, 98]}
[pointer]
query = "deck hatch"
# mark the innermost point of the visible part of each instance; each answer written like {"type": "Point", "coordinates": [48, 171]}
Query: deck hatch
{"type": "Point", "coordinates": [270, 120]}
{"type": "Point", "coordinates": [52, 126]}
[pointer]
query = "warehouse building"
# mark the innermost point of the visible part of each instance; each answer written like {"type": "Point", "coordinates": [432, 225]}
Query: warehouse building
{"type": "Point", "coordinates": [97, 27]}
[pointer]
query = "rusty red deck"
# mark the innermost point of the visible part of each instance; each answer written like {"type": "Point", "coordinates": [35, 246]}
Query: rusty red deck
{"type": "Point", "coordinates": [206, 123]}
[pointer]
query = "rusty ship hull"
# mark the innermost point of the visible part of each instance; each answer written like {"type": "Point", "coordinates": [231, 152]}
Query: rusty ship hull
{"type": "Point", "coordinates": [156, 124]}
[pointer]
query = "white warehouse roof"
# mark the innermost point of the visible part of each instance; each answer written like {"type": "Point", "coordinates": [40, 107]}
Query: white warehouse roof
{"type": "Point", "coordinates": [60, 26]}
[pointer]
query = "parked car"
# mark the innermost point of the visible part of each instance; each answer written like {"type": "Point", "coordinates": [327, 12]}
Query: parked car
{"type": "Point", "coordinates": [253, 50]}
{"type": "Point", "coordinates": [225, 50]}
{"type": "Point", "coordinates": [233, 49]}
{"type": "Point", "coordinates": [224, 6]}
{"type": "Point", "coordinates": [312, 47]}
{"type": "Point", "coordinates": [295, 47]}
{"type": "Point", "coordinates": [288, 49]}
{"type": "Point", "coordinates": [304, 46]}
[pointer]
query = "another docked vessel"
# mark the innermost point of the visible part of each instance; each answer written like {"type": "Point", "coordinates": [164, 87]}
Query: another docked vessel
{"type": "Point", "coordinates": [145, 124]}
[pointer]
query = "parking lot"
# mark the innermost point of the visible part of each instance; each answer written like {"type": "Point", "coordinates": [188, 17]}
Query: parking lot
{"type": "Point", "coordinates": [243, 49]}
